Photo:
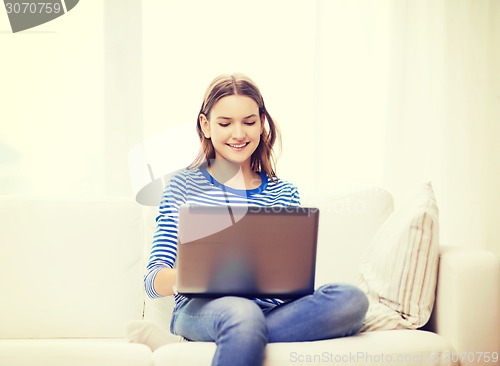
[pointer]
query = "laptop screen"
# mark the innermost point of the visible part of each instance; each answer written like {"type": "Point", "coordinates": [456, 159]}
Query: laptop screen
{"type": "Point", "coordinates": [247, 250]}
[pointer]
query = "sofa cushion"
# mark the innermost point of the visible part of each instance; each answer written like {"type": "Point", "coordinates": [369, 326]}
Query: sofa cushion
{"type": "Point", "coordinates": [70, 269]}
{"type": "Point", "coordinates": [399, 271]}
{"type": "Point", "coordinates": [347, 223]}
{"type": "Point", "coordinates": [400, 347]}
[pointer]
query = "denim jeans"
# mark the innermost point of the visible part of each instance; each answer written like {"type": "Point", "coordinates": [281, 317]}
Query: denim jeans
{"type": "Point", "coordinates": [241, 327]}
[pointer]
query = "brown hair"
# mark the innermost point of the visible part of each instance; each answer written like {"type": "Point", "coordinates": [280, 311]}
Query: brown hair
{"type": "Point", "coordinates": [263, 158]}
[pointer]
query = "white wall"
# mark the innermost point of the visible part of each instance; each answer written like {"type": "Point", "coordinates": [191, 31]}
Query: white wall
{"type": "Point", "coordinates": [387, 93]}
{"type": "Point", "coordinates": [188, 43]}
{"type": "Point", "coordinates": [51, 105]}
{"type": "Point", "coordinates": [71, 102]}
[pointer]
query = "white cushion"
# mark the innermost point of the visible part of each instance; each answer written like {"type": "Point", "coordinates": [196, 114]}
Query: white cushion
{"type": "Point", "coordinates": [73, 352]}
{"type": "Point", "coordinates": [400, 347]}
{"type": "Point", "coordinates": [399, 271]}
{"type": "Point", "coordinates": [347, 223]}
{"type": "Point", "coordinates": [70, 269]}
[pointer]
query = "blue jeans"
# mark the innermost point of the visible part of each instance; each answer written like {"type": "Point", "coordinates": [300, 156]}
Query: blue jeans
{"type": "Point", "coordinates": [241, 327]}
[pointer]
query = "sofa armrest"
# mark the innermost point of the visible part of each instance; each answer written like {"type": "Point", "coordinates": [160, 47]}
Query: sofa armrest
{"type": "Point", "coordinates": [467, 308]}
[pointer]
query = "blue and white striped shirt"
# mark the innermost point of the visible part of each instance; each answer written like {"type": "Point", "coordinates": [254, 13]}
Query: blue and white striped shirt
{"type": "Point", "coordinates": [195, 186]}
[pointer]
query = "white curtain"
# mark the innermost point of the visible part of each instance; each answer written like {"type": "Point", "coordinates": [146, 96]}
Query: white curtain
{"type": "Point", "coordinates": [444, 120]}
{"type": "Point", "coordinates": [408, 92]}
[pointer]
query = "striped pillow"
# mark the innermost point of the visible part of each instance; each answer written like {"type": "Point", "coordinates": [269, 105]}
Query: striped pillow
{"type": "Point", "coordinates": [399, 270]}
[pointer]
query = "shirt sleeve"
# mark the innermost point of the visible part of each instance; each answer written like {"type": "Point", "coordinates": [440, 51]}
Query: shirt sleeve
{"type": "Point", "coordinates": [295, 200]}
{"type": "Point", "coordinates": [164, 249]}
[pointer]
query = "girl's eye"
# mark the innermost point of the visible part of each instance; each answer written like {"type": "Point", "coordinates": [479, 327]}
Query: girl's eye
{"type": "Point", "coordinates": [223, 124]}
{"type": "Point", "coordinates": [250, 123]}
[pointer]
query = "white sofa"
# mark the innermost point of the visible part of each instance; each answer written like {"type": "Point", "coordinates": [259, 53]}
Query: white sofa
{"type": "Point", "coordinates": [71, 279]}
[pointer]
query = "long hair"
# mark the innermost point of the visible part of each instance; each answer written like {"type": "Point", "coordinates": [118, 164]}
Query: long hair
{"type": "Point", "coordinates": [263, 158]}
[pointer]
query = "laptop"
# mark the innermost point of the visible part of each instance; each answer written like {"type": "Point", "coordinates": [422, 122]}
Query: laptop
{"type": "Point", "coordinates": [247, 251]}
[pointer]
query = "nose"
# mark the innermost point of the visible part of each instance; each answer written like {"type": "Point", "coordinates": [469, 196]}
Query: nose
{"type": "Point", "coordinates": [238, 131]}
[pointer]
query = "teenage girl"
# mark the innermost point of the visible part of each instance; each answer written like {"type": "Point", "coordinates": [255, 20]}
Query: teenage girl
{"type": "Point", "coordinates": [236, 166]}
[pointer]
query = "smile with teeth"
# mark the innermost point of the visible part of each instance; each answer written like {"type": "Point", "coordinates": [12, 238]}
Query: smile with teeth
{"type": "Point", "coordinates": [238, 146]}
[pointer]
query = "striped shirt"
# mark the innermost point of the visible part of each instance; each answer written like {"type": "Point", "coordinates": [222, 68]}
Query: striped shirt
{"type": "Point", "coordinates": [195, 186]}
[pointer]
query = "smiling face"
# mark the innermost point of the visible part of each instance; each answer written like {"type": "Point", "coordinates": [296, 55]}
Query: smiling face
{"type": "Point", "coordinates": [234, 128]}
